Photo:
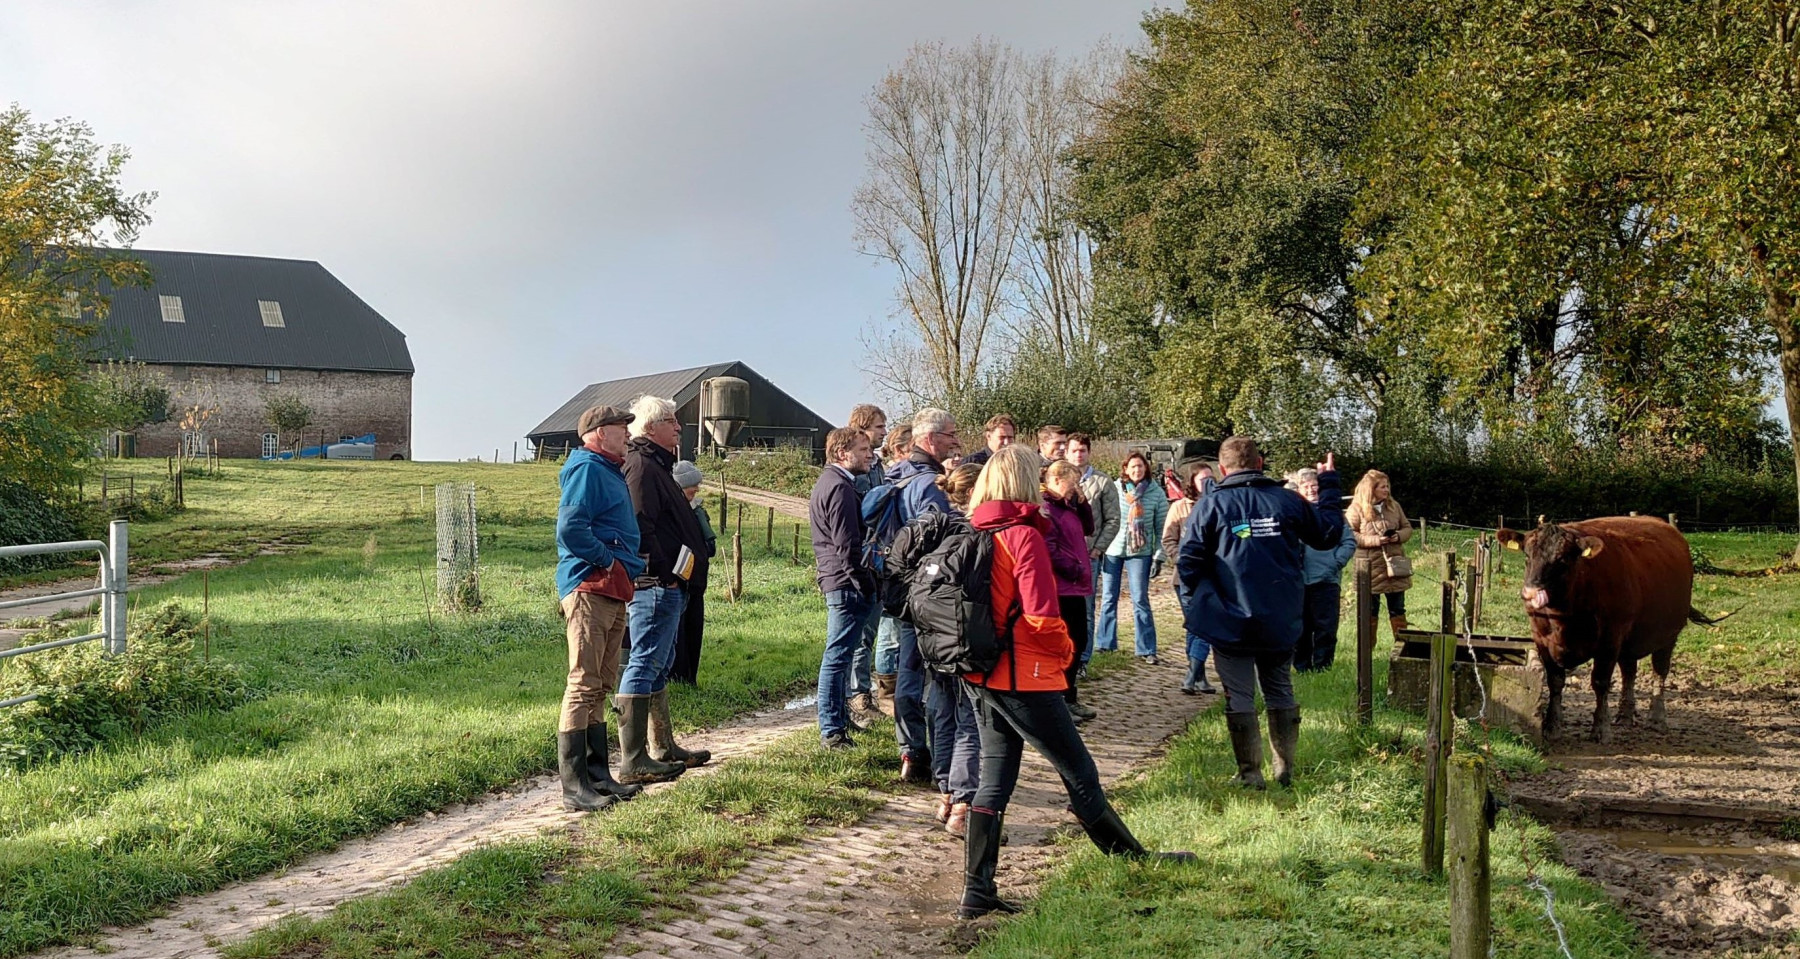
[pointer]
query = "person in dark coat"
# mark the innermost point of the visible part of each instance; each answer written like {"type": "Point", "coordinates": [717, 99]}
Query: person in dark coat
{"type": "Point", "coordinates": [849, 586]}
{"type": "Point", "coordinates": [1242, 566]}
{"type": "Point", "coordinates": [686, 668]}
{"type": "Point", "coordinates": [872, 421]}
{"type": "Point", "coordinates": [673, 543]}
{"type": "Point", "coordinates": [934, 439]}
{"type": "Point", "coordinates": [1071, 523]}
{"type": "Point", "coordinates": [1324, 578]}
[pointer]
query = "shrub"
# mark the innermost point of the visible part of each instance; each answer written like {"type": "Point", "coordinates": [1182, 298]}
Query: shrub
{"type": "Point", "coordinates": [86, 698]}
{"type": "Point", "coordinates": [785, 469]}
{"type": "Point", "coordinates": [27, 517]}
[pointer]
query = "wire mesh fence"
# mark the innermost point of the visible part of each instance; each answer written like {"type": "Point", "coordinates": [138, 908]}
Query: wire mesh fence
{"type": "Point", "coordinates": [458, 548]}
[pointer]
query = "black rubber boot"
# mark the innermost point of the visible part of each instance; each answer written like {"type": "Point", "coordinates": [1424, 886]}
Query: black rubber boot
{"type": "Point", "coordinates": [981, 859]}
{"type": "Point", "coordinates": [635, 764]}
{"type": "Point", "coordinates": [578, 794]}
{"type": "Point", "coordinates": [1284, 735]}
{"type": "Point", "coordinates": [1246, 745]}
{"type": "Point", "coordinates": [663, 747]}
{"type": "Point", "coordinates": [599, 773]}
{"type": "Point", "coordinates": [1112, 837]}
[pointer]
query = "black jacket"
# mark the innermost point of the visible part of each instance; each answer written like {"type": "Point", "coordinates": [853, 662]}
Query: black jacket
{"type": "Point", "coordinates": [666, 520]}
{"type": "Point", "coordinates": [837, 533]}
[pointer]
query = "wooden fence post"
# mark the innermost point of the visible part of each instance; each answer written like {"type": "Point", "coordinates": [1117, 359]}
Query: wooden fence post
{"type": "Point", "coordinates": [740, 516]}
{"type": "Point", "coordinates": [796, 544]}
{"type": "Point", "coordinates": [1365, 647]}
{"type": "Point", "coordinates": [737, 562]}
{"type": "Point", "coordinates": [1440, 731]}
{"type": "Point", "coordinates": [1424, 535]}
{"type": "Point", "coordinates": [1470, 600]}
{"type": "Point", "coordinates": [769, 531]}
{"type": "Point", "coordinates": [724, 497]}
{"type": "Point", "coordinates": [1447, 609]}
{"type": "Point", "coordinates": [1470, 876]}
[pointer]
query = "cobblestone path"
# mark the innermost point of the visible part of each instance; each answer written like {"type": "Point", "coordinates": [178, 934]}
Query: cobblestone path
{"type": "Point", "coordinates": [391, 857]}
{"type": "Point", "coordinates": [888, 885]}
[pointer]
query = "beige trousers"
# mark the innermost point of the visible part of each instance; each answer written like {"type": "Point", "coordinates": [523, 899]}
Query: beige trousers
{"type": "Point", "coordinates": [596, 628]}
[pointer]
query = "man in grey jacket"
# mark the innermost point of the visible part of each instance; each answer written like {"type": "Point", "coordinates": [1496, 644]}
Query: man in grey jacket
{"type": "Point", "coordinates": [1103, 498]}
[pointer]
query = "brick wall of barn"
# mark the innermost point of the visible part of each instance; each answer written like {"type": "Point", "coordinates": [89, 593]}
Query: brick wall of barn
{"type": "Point", "coordinates": [343, 404]}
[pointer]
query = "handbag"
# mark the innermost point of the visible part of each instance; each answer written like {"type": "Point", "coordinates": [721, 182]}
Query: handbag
{"type": "Point", "coordinates": [1399, 566]}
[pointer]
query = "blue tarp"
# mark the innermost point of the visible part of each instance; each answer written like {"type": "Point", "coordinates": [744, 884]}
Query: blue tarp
{"type": "Point", "coordinates": [318, 452]}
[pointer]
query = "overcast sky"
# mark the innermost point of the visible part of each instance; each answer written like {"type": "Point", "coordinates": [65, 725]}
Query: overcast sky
{"type": "Point", "coordinates": [540, 195]}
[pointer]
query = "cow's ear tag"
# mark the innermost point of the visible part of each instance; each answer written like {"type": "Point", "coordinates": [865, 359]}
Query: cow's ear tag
{"type": "Point", "coordinates": [1589, 551]}
{"type": "Point", "coordinates": [1513, 545]}
{"type": "Point", "coordinates": [1591, 546]}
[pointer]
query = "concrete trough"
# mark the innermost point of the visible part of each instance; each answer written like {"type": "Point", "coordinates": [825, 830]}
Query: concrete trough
{"type": "Point", "coordinates": [1508, 668]}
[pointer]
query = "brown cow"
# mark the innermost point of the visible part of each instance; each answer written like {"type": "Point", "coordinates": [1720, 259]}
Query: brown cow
{"type": "Point", "coordinates": [1612, 590]}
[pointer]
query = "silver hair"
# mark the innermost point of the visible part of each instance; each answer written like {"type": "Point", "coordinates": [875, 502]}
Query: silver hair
{"type": "Point", "coordinates": [1306, 475]}
{"type": "Point", "coordinates": [648, 409]}
{"type": "Point", "coordinates": [931, 420]}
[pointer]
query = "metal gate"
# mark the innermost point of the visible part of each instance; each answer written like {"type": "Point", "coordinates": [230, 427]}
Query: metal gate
{"type": "Point", "coordinates": [111, 592]}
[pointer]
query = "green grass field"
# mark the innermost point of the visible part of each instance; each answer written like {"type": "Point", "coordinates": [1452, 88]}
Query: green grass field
{"type": "Point", "coordinates": [371, 707]}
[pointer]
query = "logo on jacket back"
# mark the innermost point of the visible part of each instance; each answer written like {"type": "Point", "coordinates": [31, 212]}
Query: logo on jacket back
{"type": "Point", "coordinates": [1258, 526]}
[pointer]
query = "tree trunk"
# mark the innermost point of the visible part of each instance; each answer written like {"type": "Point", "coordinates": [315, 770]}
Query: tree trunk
{"type": "Point", "coordinates": [1779, 307]}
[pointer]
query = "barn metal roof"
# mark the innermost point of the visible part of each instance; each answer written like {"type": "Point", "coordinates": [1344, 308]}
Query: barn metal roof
{"type": "Point", "coordinates": [678, 385]}
{"type": "Point", "coordinates": [327, 327]}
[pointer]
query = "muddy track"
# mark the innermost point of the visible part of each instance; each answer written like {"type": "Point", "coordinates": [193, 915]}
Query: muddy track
{"type": "Point", "coordinates": [1691, 830]}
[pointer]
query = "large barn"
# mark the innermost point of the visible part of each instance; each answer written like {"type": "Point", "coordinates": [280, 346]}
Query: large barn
{"type": "Point", "coordinates": [230, 332]}
{"type": "Point", "coordinates": [775, 418]}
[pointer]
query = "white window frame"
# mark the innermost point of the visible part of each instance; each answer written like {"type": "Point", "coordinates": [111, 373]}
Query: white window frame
{"type": "Point", "coordinates": [271, 314]}
{"type": "Point", "coordinates": [172, 311]}
{"type": "Point", "coordinates": [271, 444]}
{"type": "Point", "coordinates": [271, 376]}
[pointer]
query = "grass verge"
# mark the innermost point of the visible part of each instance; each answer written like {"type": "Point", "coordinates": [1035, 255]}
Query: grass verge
{"type": "Point", "coordinates": [369, 705]}
{"type": "Point", "coordinates": [1328, 870]}
{"type": "Point", "coordinates": [565, 897]}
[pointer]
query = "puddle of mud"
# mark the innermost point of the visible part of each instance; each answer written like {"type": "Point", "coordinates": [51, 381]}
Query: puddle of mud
{"type": "Point", "coordinates": [1771, 858]}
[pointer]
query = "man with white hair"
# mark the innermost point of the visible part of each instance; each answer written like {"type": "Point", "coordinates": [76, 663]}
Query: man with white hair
{"type": "Point", "coordinates": [673, 543]}
{"type": "Point", "coordinates": [934, 439]}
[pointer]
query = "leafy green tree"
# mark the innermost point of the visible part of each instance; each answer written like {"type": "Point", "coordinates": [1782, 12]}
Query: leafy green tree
{"type": "Point", "coordinates": [289, 414]}
{"type": "Point", "coordinates": [1219, 189]}
{"type": "Point", "coordinates": [61, 203]}
{"type": "Point", "coordinates": [1636, 162]}
{"type": "Point", "coordinates": [129, 395]}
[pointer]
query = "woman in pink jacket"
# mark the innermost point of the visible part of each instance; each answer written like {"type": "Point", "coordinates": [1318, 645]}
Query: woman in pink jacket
{"type": "Point", "coordinates": [1071, 523]}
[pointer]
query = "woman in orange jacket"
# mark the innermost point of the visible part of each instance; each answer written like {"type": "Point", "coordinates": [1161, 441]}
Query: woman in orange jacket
{"type": "Point", "coordinates": [1021, 700]}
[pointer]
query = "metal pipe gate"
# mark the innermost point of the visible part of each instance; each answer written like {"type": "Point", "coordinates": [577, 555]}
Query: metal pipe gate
{"type": "Point", "coordinates": [111, 591]}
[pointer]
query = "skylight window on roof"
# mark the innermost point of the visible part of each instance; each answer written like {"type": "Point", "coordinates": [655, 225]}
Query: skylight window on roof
{"type": "Point", "coordinates": [271, 313]}
{"type": "Point", "coordinates": [171, 309]}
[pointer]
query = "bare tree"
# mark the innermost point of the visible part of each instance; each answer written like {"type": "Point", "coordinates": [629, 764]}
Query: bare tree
{"type": "Point", "coordinates": [1051, 280]}
{"type": "Point", "coordinates": [940, 203]}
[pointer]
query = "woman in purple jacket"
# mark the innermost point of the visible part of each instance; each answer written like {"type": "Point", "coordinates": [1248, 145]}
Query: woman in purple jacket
{"type": "Point", "coordinates": [1071, 523]}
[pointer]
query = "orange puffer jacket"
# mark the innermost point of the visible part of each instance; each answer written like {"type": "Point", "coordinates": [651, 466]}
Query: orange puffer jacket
{"type": "Point", "coordinates": [1041, 648]}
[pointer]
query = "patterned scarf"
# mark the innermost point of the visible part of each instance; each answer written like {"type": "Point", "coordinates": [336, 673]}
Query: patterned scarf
{"type": "Point", "coordinates": [1137, 532]}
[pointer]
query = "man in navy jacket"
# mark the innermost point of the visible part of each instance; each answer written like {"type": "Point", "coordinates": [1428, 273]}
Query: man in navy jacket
{"type": "Point", "coordinates": [849, 587]}
{"type": "Point", "coordinates": [1242, 564]}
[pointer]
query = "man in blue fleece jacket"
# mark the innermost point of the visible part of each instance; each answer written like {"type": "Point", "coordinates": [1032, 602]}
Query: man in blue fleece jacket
{"type": "Point", "coordinates": [597, 558]}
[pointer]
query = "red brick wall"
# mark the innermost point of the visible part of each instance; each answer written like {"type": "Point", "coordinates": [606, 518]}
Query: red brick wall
{"type": "Point", "coordinates": [343, 404]}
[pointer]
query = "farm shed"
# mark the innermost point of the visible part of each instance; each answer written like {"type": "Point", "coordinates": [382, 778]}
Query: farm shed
{"type": "Point", "coordinates": [233, 331]}
{"type": "Point", "coordinates": [775, 418]}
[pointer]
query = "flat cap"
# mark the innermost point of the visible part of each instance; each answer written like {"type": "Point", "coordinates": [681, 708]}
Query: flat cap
{"type": "Point", "coordinates": [686, 474]}
{"type": "Point", "coordinates": [599, 416]}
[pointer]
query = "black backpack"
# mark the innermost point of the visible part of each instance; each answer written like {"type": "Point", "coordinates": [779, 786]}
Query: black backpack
{"type": "Point", "coordinates": [947, 567]}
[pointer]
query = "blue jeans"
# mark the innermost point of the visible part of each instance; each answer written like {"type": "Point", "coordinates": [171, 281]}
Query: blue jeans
{"type": "Point", "coordinates": [955, 737]}
{"type": "Point", "coordinates": [1197, 649]}
{"type": "Point", "coordinates": [887, 646]}
{"type": "Point", "coordinates": [846, 610]}
{"type": "Point", "coordinates": [909, 696]}
{"type": "Point", "coordinates": [1087, 652]}
{"type": "Point", "coordinates": [655, 617]}
{"type": "Point", "coordinates": [860, 660]}
{"type": "Point", "coordinates": [1136, 569]}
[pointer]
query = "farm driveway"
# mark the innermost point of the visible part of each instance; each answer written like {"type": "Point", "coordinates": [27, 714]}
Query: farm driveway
{"type": "Point", "coordinates": [784, 504]}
